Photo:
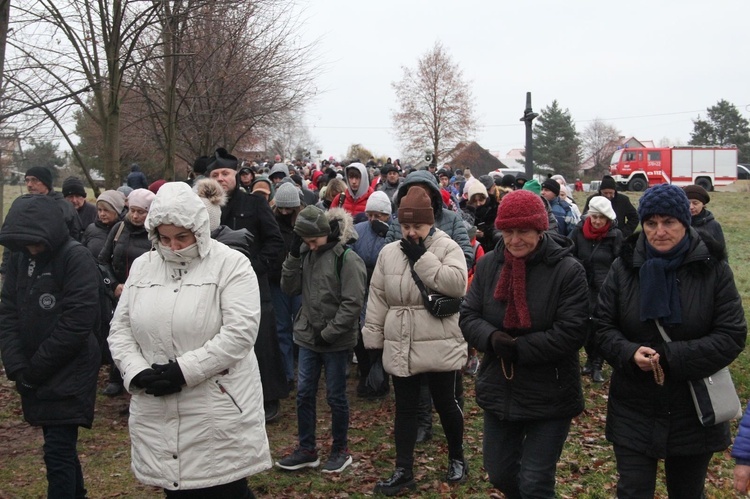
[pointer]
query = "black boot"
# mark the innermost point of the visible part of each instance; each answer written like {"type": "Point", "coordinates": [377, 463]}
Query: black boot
{"type": "Point", "coordinates": [596, 371]}
{"type": "Point", "coordinates": [401, 479]}
{"type": "Point", "coordinates": [458, 469]}
{"type": "Point", "coordinates": [587, 368]}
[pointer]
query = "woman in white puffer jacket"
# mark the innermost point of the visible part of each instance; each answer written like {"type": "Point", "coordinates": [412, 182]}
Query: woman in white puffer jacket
{"type": "Point", "coordinates": [183, 336]}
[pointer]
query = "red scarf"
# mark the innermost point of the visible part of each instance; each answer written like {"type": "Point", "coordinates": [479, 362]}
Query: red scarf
{"type": "Point", "coordinates": [511, 289]}
{"type": "Point", "coordinates": [592, 233]}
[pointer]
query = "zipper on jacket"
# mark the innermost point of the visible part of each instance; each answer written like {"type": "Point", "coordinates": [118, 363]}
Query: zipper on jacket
{"type": "Point", "coordinates": [224, 391]}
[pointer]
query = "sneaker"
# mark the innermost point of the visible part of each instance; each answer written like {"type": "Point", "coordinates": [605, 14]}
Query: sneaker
{"type": "Point", "coordinates": [337, 462]}
{"type": "Point", "coordinates": [299, 459]}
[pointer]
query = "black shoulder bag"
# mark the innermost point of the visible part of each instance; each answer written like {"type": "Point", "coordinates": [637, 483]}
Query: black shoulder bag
{"type": "Point", "coordinates": [438, 305]}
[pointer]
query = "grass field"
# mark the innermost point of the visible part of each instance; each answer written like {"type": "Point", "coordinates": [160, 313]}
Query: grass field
{"type": "Point", "coordinates": [586, 469]}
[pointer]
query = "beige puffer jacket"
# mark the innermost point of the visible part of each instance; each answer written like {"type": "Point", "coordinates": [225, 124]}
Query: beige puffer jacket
{"type": "Point", "coordinates": [414, 341]}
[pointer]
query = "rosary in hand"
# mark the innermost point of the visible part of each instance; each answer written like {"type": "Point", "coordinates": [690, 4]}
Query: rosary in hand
{"type": "Point", "coordinates": [658, 371]}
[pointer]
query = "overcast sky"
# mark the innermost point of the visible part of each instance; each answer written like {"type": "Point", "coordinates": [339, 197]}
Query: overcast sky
{"type": "Point", "coordinates": [647, 67]}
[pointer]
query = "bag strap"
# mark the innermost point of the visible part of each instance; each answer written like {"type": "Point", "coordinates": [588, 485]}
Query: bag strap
{"type": "Point", "coordinates": [663, 333]}
{"type": "Point", "coordinates": [340, 262]}
{"type": "Point", "coordinates": [119, 231]}
{"type": "Point", "coordinates": [418, 281]}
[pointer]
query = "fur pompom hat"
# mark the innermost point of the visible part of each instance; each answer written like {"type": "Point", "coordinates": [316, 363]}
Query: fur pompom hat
{"type": "Point", "coordinates": [214, 197]}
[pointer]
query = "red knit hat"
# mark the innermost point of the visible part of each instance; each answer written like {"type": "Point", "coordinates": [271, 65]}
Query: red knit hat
{"type": "Point", "coordinates": [522, 210]}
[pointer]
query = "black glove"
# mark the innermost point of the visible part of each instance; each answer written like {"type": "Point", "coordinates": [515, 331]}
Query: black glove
{"type": "Point", "coordinates": [380, 227]}
{"type": "Point", "coordinates": [413, 251]}
{"type": "Point", "coordinates": [144, 378]}
{"type": "Point", "coordinates": [170, 372]}
{"type": "Point", "coordinates": [294, 250]}
{"type": "Point", "coordinates": [504, 345]}
{"type": "Point", "coordinates": [162, 387]}
{"type": "Point", "coordinates": [24, 385]}
{"type": "Point", "coordinates": [320, 342]}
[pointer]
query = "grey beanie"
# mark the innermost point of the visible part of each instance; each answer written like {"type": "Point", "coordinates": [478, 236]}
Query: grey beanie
{"type": "Point", "coordinates": [287, 196]}
{"type": "Point", "coordinates": [312, 222]}
{"type": "Point", "coordinates": [115, 200]}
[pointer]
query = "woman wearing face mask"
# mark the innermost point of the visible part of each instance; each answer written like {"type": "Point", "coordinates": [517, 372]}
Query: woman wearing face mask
{"type": "Point", "coordinates": [183, 336]}
{"type": "Point", "coordinates": [127, 240]}
{"type": "Point", "coordinates": [597, 242]}
{"type": "Point", "coordinates": [414, 342]}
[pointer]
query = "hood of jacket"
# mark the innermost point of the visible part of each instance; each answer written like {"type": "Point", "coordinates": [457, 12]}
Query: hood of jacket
{"type": "Point", "coordinates": [427, 179]}
{"type": "Point", "coordinates": [364, 183]}
{"type": "Point", "coordinates": [279, 168]}
{"type": "Point", "coordinates": [347, 233]}
{"type": "Point", "coordinates": [34, 219]}
{"type": "Point", "coordinates": [177, 204]}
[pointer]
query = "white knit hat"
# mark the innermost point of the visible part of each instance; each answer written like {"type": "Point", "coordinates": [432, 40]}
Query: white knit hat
{"type": "Point", "coordinates": [602, 206]}
{"type": "Point", "coordinates": [378, 202]}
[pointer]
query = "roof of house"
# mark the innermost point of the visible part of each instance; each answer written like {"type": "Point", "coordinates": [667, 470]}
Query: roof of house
{"type": "Point", "coordinates": [476, 158]}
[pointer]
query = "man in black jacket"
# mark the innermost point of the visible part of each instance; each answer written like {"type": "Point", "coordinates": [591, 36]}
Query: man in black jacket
{"type": "Point", "coordinates": [627, 216]}
{"type": "Point", "coordinates": [47, 333]}
{"type": "Point", "coordinates": [247, 211]}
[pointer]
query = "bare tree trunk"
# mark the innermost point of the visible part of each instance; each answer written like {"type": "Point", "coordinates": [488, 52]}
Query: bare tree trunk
{"type": "Point", "coordinates": [4, 19]}
{"type": "Point", "coordinates": [168, 39]}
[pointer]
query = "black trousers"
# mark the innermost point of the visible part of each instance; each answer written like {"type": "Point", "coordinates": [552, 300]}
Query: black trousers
{"type": "Point", "coordinates": [442, 388]}
{"type": "Point", "coordinates": [233, 490]}
{"type": "Point", "coordinates": [686, 475]}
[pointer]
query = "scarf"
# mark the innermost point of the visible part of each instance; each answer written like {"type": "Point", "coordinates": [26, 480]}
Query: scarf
{"type": "Point", "coordinates": [511, 289]}
{"type": "Point", "coordinates": [660, 296]}
{"type": "Point", "coordinates": [592, 233]}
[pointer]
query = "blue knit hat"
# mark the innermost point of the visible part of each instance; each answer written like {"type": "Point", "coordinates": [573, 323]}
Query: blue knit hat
{"type": "Point", "coordinates": [665, 200]}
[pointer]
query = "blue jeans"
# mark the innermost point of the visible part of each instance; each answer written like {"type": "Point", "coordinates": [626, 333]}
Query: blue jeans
{"type": "Point", "coordinates": [64, 476]}
{"type": "Point", "coordinates": [309, 367]}
{"type": "Point", "coordinates": [685, 475]}
{"type": "Point", "coordinates": [286, 308]}
{"type": "Point", "coordinates": [521, 457]}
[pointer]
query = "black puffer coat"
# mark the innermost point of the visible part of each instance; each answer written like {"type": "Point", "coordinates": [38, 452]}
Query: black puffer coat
{"type": "Point", "coordinates": [661, 420]}
{"type": "Point", "coordinates": [596, 257]}
{"type": "Point", "coordinates": [132, 242]}
{"type": "Point", "coordinates": [546, 380]}
{"type": "Point", "coordinates": [705, 223]}
{"type": "Point", "coordinates": [95, 236]}
{"type": "Point", "coordinates": [47, 327]}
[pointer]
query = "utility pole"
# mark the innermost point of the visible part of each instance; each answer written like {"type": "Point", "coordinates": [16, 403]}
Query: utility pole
{"type": "Point", "coordinates": [528, 117]}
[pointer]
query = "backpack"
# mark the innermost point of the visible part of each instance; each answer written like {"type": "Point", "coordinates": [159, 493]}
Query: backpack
{"type": "Point", "coordinates": [107, 299]}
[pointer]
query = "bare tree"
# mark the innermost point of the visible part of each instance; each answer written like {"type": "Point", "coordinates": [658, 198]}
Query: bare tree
{"type": "Point", "coordinates": [599, 142]}
{"type": "Point", "coordinates": [238, 69]}
{"type": "Point", "coordinates": [436, 108]}
{"type": "Point", "coordinates": [71, 55]}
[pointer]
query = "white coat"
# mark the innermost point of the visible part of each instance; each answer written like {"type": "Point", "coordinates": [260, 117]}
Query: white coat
{"type": "Point", "coordinates": [204, 314]}
{"type": "Point", "coordinates": [413, 340]}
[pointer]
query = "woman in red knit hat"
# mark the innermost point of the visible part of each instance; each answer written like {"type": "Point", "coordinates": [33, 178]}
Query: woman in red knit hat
{"type": "Point", "coordinates": [526, 310]}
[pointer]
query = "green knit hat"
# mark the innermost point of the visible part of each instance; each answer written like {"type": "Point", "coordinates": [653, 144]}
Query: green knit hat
{"type": "Point", "coordinates": [312, 222]}
{"type": "Point", "coordinates": [533, 186]}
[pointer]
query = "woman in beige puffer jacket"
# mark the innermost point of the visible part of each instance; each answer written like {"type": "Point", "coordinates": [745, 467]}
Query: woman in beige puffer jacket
{"type": "Point", "coordinates": [413, 340]}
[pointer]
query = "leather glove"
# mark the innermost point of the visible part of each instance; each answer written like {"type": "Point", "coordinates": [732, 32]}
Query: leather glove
{"type": "Point", "coordinates": [413, 251]}
{"type": "Point", "coordinates": [294, 250]}
{"type": "Point", "coordinates": [24, 385]}
{"type": "Point", "coordinates": [170, 372]}
{"type": "Point", "coordinates": [320, 342]}
{"type": "Point", "coordinates": [144, 378]}
{"type": "Point", "coordinates": [379, 227]}
{"type": "Point", "coordinates": [504, 345]}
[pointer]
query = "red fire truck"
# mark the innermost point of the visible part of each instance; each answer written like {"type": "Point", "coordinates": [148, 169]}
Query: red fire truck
{"type": "Point", "coordinates": [636, 168]}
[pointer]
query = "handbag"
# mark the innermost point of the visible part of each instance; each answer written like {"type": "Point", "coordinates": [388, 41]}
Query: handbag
{"type": "Point", "coordinates": [438, 305]}
{"type": "Point", "coordinates": [714, 396]}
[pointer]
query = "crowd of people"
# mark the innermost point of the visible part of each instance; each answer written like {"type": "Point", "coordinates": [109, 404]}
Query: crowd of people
{"type": "Point", "coordinates": [249, 282]}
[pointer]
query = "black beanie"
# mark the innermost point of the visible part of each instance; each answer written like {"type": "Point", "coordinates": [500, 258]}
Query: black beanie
{"type": "Point", "coordinates": [551, 185]}
{"type": "Point", "coordinates": [200, 164]}
{"type": "Point", "coordinates": [73, 186]}
{"type": "Point", "coordinates": [222, 159]}
{"type": "Point", "coordinates": [608, 183]}
{"type": "Point", "coordinates": [42, 173]}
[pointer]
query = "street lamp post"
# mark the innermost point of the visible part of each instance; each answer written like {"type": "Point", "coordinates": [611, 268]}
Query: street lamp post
{"type": "Point", "coordinates": [528, 117]}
